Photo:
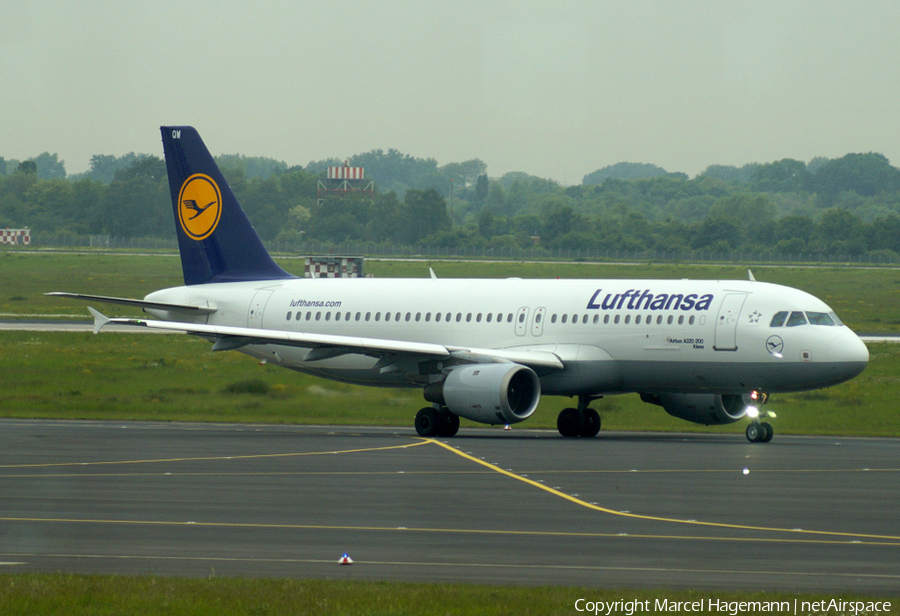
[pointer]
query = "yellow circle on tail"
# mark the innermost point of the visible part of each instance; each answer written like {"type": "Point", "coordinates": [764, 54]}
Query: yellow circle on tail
{"type": "Point", "coordinates": [199, 206]}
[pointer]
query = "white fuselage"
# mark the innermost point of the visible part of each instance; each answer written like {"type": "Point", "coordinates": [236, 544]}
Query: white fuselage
{"type": "Point", "coordinates": [612, 336]}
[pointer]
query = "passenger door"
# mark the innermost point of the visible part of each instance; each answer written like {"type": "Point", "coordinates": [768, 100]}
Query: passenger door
{"type": "Point", "coordinates": [726, 323]}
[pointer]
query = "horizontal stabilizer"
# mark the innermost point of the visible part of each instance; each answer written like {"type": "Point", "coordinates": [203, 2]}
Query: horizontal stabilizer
{"type": "Point", "coordinates": [138, 303]}
{"type": "Point", "coordinates": [99, 319]}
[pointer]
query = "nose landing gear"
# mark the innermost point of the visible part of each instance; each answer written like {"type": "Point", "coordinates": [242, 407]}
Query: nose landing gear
{"type": "Point", "coordinates": [757, 431]}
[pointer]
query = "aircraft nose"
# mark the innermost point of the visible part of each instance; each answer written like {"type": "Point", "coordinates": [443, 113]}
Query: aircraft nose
{"type": "Point", "coordinates": [848, 354]}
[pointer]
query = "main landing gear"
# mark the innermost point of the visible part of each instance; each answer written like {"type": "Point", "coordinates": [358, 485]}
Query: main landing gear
{"type": "Point", "coordinates": [431, 422]}
{"type": "Point", "coordinates": [583, 421]}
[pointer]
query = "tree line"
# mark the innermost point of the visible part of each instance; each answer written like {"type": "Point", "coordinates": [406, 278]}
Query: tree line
{"type": "Point", "coordinates": [849, 205]}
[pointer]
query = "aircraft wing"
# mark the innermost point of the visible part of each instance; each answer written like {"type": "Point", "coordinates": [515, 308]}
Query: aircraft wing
{"type": "Point", "coordinates": [139, 303]}
{"type": "Point", "coordinates": [326, 346]}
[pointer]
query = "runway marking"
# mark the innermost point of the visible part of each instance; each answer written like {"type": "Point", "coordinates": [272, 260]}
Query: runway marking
{"type": "Point", "coordinates": [405, 472]}
{"type": "Point", "coordinates": [206, 459]}
{"type": "Point", "coordinates": [458, 531]}
{"type": "Point", "coordinates": [248, 474]}
{"type": "Point", "coordinates": [491, 565]}
{"type": "Point", "coordinates": [578, 501]}
{"type": "Point", "coordinates": [729, 471]}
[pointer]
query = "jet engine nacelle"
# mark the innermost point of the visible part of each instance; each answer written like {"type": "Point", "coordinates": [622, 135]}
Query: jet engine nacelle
{"type": "Point", "coordinates": [488, 393]}
{"type": "Point", "coordinates": [706, 409]}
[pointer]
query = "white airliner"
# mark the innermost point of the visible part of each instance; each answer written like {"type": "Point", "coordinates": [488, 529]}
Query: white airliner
{"type": "Point", "coordinates": [707, 351]}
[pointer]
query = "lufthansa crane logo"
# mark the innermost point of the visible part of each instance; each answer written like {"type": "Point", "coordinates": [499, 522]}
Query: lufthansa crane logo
{"type": "Point", "coordinates": [199, 206]}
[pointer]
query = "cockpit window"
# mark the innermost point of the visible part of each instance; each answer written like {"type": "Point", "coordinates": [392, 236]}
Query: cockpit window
{"type": "Point", "coordinates": [778, 319]}
{"type": "Point", "coordinates": [796, 318]}
{"type": "Point", "coordinates": [835, 318]}
{"type": "Point", "coordinates": [820, 318]}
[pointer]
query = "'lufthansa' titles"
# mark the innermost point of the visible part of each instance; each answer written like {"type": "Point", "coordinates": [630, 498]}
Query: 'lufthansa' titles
{"type": "Point", "coordinates": [640, 299]}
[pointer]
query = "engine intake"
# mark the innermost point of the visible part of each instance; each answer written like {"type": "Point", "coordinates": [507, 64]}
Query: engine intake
{"type": "Point", "coordinates": [488, 393]}
{"type": "Point", "coordinates": [706, 409]}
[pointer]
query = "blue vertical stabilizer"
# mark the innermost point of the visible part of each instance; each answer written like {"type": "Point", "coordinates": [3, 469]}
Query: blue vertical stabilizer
{"type": "Point", "coordinates": [215, 238]}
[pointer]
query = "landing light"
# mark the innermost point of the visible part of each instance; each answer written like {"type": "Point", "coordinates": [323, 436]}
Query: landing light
{"type": "Point", "coordinates": [752, 412]}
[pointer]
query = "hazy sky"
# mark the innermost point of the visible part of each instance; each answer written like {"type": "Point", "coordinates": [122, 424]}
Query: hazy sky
{"type": "Point", "coordinates": [556, 89]}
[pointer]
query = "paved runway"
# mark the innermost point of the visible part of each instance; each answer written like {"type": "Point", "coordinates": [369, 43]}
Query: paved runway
{"type": "Point", "coordinates": [621, 510]}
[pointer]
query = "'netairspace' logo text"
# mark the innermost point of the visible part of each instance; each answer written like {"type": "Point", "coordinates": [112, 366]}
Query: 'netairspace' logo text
{"type": "Point", "coordinates": [733, 608]}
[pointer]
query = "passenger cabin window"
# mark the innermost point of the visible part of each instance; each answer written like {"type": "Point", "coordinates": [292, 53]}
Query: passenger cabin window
{"type": "Point", "coordinates": [779, 319]}
{"type": "Point", "coordinates": [796, 318]}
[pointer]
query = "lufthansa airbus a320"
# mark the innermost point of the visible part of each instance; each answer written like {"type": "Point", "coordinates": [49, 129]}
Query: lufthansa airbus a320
{"type": "Point", "coordinates": [708, 352]}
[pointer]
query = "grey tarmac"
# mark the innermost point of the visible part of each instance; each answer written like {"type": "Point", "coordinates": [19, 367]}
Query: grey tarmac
{"type": "Point", "coordinates": [801, 514]}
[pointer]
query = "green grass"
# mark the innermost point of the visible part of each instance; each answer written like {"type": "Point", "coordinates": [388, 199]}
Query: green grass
{"type": "Point", "coordinates": [172, 377]}
{"type": "Point", "coordinates": [176, 378]}
{"type": "Point", "coordinates": [109, 595]}
{"type": "Point", "coordinates": [868, 300]}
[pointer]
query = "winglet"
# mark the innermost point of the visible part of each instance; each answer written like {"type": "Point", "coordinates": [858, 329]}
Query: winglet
{"type": "Point", "coordinates": [99, 319]}
{"type": "Point", "coordinates": [433, 275]}
{"type": "Point", "coordinates": [752, 277]}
